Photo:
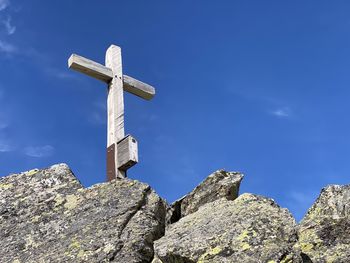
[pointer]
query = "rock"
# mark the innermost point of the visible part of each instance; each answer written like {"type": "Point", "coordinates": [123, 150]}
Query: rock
{"type": "Point", "coordinates": [220, 184]}
{"type": "Point", "coordinates": [249, 229]}
{"type": "Point", "coordinates": [47, 216]}
{"type": "Point", "coordinates": [324, 233]}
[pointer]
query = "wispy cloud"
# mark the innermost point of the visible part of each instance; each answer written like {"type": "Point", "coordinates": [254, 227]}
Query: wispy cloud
{"type": "Point", "coordinates": [3, 125]}
{"type": "Point", "coordinates": [4, 4]}
{"type": "Point", "coordinates": [282, 112]}
{"type": "Point", "coordinates": [5, 146]}
{"type": "Point", "coordinates": [7, 47]}
{"type": "Point", "coordinates": [300, 202]}
{"type": "Point", "coordinates": [59, 73]}
{"type": "Point", "coordinates": [101, 104]}
{"type": "Point", "coordinates": [98, 116]}
{"type": "Point", "coordinates": [275, 106]}
{"type": "Point", "coordinates": [302, 197]}
{"type": "Point", "coordinates": [10, 29]}
{"type": "Point", "coordinates": [39, 151]}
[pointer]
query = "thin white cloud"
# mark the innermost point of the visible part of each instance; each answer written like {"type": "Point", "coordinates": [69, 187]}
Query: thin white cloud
{"type": "Point", "coordinates": [300, 202]}
{"type": "Point", "coordinates": [5, 146]}
{"type": "Point", "coordinates": [39, 151]}
{"type": "Point", "coordinates": [4, 4]}
{"type": "Point", "coordinates": [3, 125]}
{"type": "Point", "coordinates": [282, 112]}
{"type": "Point", "coordinates": [7, 47]}
{"type": "Point", "coordinates": [101, 104]}
{"type": "Point", "coordinates": [99, 115]}
{"type": "Point", "coordinates": [10, 29]}
{"type": "Point", "coordinates": [59, 73]}
{"type": "Point", "coordinates": [303, 197]}
{"type": "Point", "coordinates": [97, 118]}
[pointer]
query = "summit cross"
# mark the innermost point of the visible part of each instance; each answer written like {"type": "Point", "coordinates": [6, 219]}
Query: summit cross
{"type": "Point", "coordinates": [122, 152]}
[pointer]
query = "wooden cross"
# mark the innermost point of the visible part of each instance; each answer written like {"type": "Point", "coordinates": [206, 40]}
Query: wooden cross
{"type": "Point", "coordinates": [122, 152]}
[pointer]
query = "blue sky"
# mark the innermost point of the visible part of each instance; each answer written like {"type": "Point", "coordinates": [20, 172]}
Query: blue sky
{"type": "Point", "coordinates": [260, 87]}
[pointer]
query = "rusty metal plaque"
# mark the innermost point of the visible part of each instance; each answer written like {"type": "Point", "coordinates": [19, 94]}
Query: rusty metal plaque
{"type": "Point", "coordinates": [111, 163]}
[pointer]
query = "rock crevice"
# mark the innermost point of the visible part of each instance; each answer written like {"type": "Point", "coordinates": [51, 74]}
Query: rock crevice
{"type": "Point", "coordinates": [47, 216]}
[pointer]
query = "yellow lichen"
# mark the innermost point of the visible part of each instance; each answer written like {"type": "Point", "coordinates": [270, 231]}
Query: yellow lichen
{"type": "Point", "coordinates": [215, 251]}
{"type": "Point", "coordinates": [74, 245]}
{"type": "Point", "coordinates": [244, 235]}
{"type": "Point", "coordinates": [30, 243]}
{"type": "Point", "coordinates": [108, 248]}
{"type": "Point", "coordinates": [309, 239]}
{"type": "Point", "coordinates": [59, 200]}
{"type": "Point", "coordinates": [72, 202]}
{"type": "Point", "coordinates": [212, 252]}
{"type": "Point", "coordinates": [305, 247]}
{"type": "Point", "coordinates": [32, 172]}
{"type": "Point", "coordinates": [245, 246]}
{"type": "Point", "coordinates": [35, 219]}
{"type": "Point", "coordinates": [81, 254]}
{"type": "Point", "coordinates": [6, 186]}
{"type": "Point", "coordinates": [16, 261]}
{"type": "Point", "coordinates": [271, 261]}
{"type": "Point", "coordinates": [288, 259]}
{"type": "Point", "coordinates": [244, 238]}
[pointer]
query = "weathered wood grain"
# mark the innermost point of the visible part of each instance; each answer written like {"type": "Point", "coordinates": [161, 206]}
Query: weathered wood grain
{"type": "Point", "coordinates": [115, 101]}
{"type": "Point", "coordinates": [138, 88]}
{"type": "Point", "coordinates": [127, 153]}
{"type": "Point", "coordinates": [90, 68]}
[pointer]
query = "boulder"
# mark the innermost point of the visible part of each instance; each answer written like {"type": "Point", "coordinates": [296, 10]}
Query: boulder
{"type": "Point", "coordinates": [324, 233]}
{"type": "Point", "coordinates": [248, 229]}
{"type": "Point", "coordinates": [221, 184]}
{"type": "Point", "coordinates": [47, 216]}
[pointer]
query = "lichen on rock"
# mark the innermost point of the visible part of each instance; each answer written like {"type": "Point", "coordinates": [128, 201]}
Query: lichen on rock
{"type": "Point", "coordinates": [324, 231]}
{"type": "Point", "coordinates": [250, 228]}
{"type": "Point", "coordinates": [220, 184]}
{"type": "Point", "coordinates": [47, 216]}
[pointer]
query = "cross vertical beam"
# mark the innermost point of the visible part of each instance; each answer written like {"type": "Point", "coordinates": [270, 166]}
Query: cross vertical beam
{"type": "Point", "coordinates": [115, 108]}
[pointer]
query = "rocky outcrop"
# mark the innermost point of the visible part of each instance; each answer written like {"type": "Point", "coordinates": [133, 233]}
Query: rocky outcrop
{"type": "Point", "coordinates": [47, 216]}
{"type": "Point", "coordinates": [221, 184]}
{"type": "Point", "coordinates": [324, 233]}
{"type": "Point", "coordinates": [249, 229]}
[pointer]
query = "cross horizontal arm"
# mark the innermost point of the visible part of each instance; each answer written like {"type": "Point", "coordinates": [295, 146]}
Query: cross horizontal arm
{"type": "Point", "coordinates": [105, 74]}
{"type": "Point", "coordinates": [138, 88]}
{"type": "Point", "coordinates": [90, 68]}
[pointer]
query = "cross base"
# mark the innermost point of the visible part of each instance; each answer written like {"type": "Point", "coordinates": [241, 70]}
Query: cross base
{"type": "Point", "coordinates": [127, 152]}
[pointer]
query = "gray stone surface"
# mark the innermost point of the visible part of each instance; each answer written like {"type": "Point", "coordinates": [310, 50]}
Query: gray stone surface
{"type": "Point", "coordinates": [47, 216]}
{"type": "Point", "coordinates": [247, 230]}
{"type": "Point", "coordinates": [221, 184]}
{"type": "Point", "coordinates": [324, 233]}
